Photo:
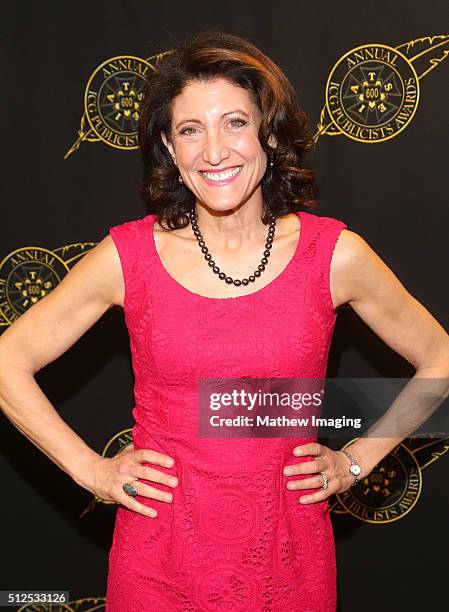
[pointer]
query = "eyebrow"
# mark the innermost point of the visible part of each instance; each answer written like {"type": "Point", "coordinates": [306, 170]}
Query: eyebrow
{"type": "Point", "coordinates": [237, 110]}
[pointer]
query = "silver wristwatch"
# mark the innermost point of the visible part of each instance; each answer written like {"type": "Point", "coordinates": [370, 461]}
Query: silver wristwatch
{"type": "Point", "coordinates": [354, 469]}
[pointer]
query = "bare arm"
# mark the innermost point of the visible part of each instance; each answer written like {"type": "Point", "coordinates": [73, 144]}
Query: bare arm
{"type": "Point", "coordinates": [360, 277]}
{"type": "Point", "coordinates": [42, 334]}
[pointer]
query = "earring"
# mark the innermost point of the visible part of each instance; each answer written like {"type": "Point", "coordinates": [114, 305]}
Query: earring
{"type": "Point", "coordinates": [180, 179]}
{"type": "Point", "coordinates": [271, 161]}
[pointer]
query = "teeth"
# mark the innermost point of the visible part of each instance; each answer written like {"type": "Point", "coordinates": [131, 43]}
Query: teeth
{"type": "Point", "coordinates": [220, 176]}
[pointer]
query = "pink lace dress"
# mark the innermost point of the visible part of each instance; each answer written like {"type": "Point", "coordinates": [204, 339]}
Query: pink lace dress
{"type": "Point", "coordinates": [234, 537]}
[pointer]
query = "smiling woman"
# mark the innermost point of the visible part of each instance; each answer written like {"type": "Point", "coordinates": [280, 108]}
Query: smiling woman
{"type": "Point", "coordinates": [247, 528]}
{"type": "Point", "coordinates": [221, 105]}
{"type": "Point", "coordinates": [223, 138]}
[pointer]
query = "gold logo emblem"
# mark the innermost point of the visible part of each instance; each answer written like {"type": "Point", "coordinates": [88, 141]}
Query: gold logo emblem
{"type": "Point", "coordinates": [112, 101]}
{"type": "Point", "coordinates": [372, 92]}
{"type": "Point", "coordinates": [28, 274]}
{"type": "Point", "coordinates": [393, 488]}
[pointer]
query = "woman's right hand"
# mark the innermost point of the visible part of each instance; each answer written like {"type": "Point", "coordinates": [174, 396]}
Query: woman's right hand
{"type": "Point", "coordinates": [109, 474]}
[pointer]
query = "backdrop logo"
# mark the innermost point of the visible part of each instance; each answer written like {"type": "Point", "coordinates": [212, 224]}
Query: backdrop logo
{"type": "Point", "coordinates": [393, 488]}
{"type": "Point", "coordinates": [28, 274]}
{"type": "Point", "coordinates": [372, 92]}
{"type": "Point", "coordinates": [112, 101]}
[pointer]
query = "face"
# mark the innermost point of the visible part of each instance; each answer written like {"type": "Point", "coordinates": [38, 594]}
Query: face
{"type": "Point", "coordinates": [214, 143]}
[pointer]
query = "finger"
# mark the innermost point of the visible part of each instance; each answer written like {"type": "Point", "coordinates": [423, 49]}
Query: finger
{"type": "Point", "coordinates": [152, 492]}
{"type": "Point", "coordinates": [305, 483]}
{"type": "Point", "coordinates": [311, 448]}
{"type": "Point", "coordinates": [148, 473]}
{"type": "Point", "coordinates": [145, 490]}
{"type": "Point", "coordinates": [307, 467]}
{"type": "Point", "coordinates": [132, 504]}
{"type": "Point", "coordinates": [312, 467]}
{"type": "Point", "coordinates": [151, 456]}
{"type": "Point", "coordinates": [313, 498]}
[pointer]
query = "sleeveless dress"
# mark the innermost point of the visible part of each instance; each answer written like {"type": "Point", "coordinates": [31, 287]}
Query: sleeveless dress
{"type": "Point", "coordinates": [234, 537]}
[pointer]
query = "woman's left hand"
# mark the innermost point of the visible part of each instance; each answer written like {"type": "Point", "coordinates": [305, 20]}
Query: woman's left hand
{"type": "Point", "coordinates": [334, 464]}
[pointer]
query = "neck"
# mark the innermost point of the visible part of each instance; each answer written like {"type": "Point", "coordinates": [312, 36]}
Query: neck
{"type": "Point", "coordinates": [232, 227]}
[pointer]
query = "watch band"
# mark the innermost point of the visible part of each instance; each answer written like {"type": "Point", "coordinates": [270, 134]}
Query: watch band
{"type": "Point", "coordinates": [354, 468]}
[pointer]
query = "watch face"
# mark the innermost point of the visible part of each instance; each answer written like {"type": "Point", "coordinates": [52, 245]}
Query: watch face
{"type": "Point", "coordinates": [355, 469]}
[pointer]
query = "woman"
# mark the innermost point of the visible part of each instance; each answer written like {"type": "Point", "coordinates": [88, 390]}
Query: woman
{"type": "Point", "coordinates": [225, 525]}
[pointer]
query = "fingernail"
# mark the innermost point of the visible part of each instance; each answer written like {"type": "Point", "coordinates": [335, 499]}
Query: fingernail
{"type": "Point", "coordinates": [298, 452]}
{"type": "Point", "coordinates": [172, 480]}
{"type": "Point", "coordinates": [288, 471]}
{"type": "Point", "coordinates": [169, 462]}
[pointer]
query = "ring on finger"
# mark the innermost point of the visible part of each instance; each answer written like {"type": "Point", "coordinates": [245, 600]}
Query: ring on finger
{"type": "Point", "coordinates": [325, 481]}
{"type": "Point", "coordinates": [130, 489]}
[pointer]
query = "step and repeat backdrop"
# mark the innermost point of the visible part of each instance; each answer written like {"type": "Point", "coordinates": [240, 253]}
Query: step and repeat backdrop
{"type": "Point", "coordinates": [374, 82]}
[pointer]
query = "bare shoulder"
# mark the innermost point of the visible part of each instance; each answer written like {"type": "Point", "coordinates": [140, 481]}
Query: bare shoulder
{"type": "Point", "coordinates": [98, 274]}
{"type": "Point", "coordinates": [349, 247]}
{"type": "Point", "coordinates": [111, 269]}
{"type": "Point", "coordinates": [352, 261]}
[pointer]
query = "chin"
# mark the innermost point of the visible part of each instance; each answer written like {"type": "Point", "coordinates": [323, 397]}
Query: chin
{"type": "Point", "coordinates": [223, 208]}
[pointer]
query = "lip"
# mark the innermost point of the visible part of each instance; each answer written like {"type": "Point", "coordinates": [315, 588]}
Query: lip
{"type": "Point", "coordinates": [222, 182]}
{"type": "Point", "coordinates": [217, 171]}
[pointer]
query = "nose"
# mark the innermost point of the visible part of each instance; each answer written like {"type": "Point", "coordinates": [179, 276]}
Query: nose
{"type": "Point", "coordinates": [215, 149]}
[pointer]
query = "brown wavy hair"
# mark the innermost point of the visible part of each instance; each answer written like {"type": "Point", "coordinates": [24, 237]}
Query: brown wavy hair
{"type": "Point", "coordinates": [207, 55]}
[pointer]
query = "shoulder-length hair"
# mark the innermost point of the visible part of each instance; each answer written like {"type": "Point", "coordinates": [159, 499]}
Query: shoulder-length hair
{"type": "Point", "coordinates": [286, 186]}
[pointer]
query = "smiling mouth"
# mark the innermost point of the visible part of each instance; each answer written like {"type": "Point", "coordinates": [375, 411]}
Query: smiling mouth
{"type": "Point", "coordinates": [221, 176]}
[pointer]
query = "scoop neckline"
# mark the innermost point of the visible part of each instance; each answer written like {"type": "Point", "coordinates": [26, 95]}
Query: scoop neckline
{"type": "Point", "coordinates": [263, 289]}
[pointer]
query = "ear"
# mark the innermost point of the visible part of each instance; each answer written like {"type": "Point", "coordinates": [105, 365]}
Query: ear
{"type": "Point", "coordinates": [169, 146]}
{"type": "Point", "coordinates": [272, 141]}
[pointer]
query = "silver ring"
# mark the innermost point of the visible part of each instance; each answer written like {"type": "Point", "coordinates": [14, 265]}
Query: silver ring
{"type": "Point", "coordinates": [130, 489]}
{"type": "Point", "coordinates": [325, 481]}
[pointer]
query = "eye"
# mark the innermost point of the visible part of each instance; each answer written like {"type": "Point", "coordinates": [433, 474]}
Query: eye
{"type": "Point", "coordinates": [242, 122]}
{"type": "Point", "coordinates": [186, 131]}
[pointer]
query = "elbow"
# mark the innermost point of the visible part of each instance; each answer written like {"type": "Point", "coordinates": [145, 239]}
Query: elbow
{"type": "Point", "coordinates": [438, 367]}
{"type": "Point", "coordinates": [12, 360]}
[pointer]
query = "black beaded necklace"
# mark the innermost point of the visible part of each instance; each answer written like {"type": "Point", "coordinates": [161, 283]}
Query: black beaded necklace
{"type": "Point", "coordinates": [208, 257]}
